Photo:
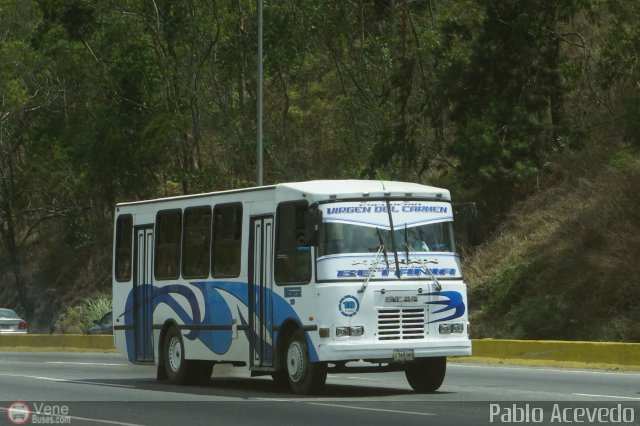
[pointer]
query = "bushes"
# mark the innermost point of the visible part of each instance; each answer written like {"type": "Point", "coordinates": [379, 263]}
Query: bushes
{"type": "Point", "coordinates": [77, 319]}
{"type": "Point", "coordinates": [565, 266]}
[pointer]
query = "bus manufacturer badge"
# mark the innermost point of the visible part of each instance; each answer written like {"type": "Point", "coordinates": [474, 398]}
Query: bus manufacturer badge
{"type": "Point", "coordinates": [348, 305]}
{"type": "Point", "coordinates": [392, 299]}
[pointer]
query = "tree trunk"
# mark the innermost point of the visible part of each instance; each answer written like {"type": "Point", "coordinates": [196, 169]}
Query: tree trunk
{"type": "Point", "coordinates": [9, 239]}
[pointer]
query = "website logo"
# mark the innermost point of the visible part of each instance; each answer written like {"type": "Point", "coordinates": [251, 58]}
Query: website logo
{"type": "Point", "coordinates": [18, 413]}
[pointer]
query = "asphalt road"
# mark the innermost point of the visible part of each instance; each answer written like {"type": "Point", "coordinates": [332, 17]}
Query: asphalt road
{"type": "Point", "coordinates": [91, 388]}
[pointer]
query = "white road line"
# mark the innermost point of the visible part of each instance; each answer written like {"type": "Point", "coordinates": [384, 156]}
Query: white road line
{"type": "Point", "coordinates": [371, 409]}
{"type": "Point", "coordinates": [112, 422]}
{"type": "Point", "coordinates": [336, 376]}
{"type": "Point", "coordinates": [53, 379]}
{"type": "Point", "coordinates": [326, 399]}
{"type": "Point", "coordinates": [363, 378]}
{"type": "Point", "coordinates": [270, 399]}
{"type": "Point", "coordinates": [31, 377]}
{"type": "Point", "coordinates": [83, 363]}
{"type": "Point", "coordinates": [607, 396]}
{"type": "Point", "coordinates": [553, 370]}
{"type": "Point", "coordinates": [82, 382]}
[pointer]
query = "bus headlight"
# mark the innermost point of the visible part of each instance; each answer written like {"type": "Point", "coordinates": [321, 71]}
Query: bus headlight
{"type": "Point", "coordinates": [457, 328]}
{"type": "Point", "coordinates": [349, 331]}
{"type": "Point", "coordinates": [342, 331]}
{"type": "Point", "coordinates": [445, 329]}
{"type": "Point", "coordinates": [451, 328]}
{"type": "Point", "coordinates": [356, 331]}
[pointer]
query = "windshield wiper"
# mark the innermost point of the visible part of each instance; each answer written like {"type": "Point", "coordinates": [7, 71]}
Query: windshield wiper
{"type": "Point", "coordinates": [433, 277]}
{"type": "Point", "coordinates": [406, 245]}
{"type": "Point", "coordinates": [373, 267]}
{"type": "Point", "coordinates": [423, 263]}
{"type": "Point", "coordinates": [393, 240]}
{"type": "Point", "coordinates": [381, 250]}
{"type": "Point", "coordinates": [386, 258]}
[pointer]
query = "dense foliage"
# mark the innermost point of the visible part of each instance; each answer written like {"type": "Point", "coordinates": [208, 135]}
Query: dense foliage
{"type": "Point", "coordinates": [114, 100]}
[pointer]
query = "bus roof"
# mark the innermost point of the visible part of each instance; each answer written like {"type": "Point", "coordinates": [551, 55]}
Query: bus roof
{"type": "Point", "coordinates": [322, 190]}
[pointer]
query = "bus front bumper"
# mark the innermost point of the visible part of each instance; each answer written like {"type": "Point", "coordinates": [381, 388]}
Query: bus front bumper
{"type": "Point", "coordinates": [379, 351]}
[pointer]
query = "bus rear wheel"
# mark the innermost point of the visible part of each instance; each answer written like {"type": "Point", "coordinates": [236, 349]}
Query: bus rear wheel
{"type": "Point", "coordinates": [180, 370]}
{"type": "Point", "coordinates": [426, 374]}
{"type": "Point", "coordinates": [304, 376]}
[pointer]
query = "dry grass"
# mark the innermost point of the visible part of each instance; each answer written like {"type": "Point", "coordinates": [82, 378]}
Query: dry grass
{"type": "Point", "coordinates": [565, 263]}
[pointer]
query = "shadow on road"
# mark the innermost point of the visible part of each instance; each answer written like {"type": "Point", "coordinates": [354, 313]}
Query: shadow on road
{"type": "Point", "coordinates": [245, 388]}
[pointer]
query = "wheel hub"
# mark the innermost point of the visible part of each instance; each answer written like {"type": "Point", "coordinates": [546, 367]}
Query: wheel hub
{"type": "Point", "coordinates": [296, 362]}
{"type": "Point", "coordinates": [175, 354]}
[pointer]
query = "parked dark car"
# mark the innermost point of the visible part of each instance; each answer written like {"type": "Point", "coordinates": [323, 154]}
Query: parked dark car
{"type": "Point", "coordinates": [11, 323]}
{"type": "Point", "coordinates": [102, 326]}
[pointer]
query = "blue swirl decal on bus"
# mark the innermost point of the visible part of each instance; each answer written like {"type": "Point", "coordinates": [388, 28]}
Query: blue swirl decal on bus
{"type": "Point", "coordinates": [216, 312]}
{"type": "Point", "coordinates": [453, 302]}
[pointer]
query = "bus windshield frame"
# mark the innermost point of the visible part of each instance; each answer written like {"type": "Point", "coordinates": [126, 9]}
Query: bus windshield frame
{"type": "Point", "coordinates": [403, 231]}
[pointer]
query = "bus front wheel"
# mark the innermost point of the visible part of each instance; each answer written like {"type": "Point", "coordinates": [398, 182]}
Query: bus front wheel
{"type": "Point", "coordinates": [426, 374]}
{"type": "Point", "coordinates": [304, 376]}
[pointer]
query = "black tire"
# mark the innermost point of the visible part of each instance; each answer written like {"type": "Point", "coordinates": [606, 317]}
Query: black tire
{"type": "Point", "coordinates": [304, 376]}
{"type": "Point", "coordinates": [426, 374]}
{"type": "Point", "coordinates": [180, 370]}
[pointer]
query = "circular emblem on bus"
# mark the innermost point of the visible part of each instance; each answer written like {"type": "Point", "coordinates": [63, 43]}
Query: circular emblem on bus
{"type": "Point", "coordinates": [349, 306]}
{"type": "Point", "coordinates": [18, 413]}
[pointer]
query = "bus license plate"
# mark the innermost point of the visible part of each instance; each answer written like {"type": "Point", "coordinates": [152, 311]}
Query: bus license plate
{"type": "Point", "coordinates": [403, 355]}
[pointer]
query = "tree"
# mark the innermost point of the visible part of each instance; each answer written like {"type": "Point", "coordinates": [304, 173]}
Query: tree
{"type": "Point", "coordinates": [26, 89]}
{"type": "Point", "coordinates": [507, 111]}
{"type": "Point", "coordinates": [619, 69]}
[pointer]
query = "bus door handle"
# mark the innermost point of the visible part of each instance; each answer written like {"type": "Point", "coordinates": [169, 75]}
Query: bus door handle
{"type": "Point", "coordinates": [234, 328]}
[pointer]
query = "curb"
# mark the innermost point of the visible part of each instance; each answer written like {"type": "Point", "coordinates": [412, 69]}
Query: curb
{"type": "Point", "coordinates": [57, 342]}
{"type": "Point", "coordinates": [600, 355]}
{"type": "Point", "coordinates": [611, 353]}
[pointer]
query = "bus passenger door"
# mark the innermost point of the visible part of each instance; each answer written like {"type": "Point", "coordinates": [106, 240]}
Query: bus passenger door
{"type": "Point", "coordinates": [142, 294]}
{"type": "Point", "coordinates": [260, 286]}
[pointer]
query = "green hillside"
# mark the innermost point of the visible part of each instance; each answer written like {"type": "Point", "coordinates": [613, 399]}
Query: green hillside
{"type": "Point", "coordinates": [530, 109]}
{"type": "Point", "coordinates": [564, 264]}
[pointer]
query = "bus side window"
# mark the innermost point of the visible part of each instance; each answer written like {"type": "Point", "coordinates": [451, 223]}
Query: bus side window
{"type": "Point", "coordinates": [227, 240]}
{"type": "Point", "coordinates": [124, 236]}
{"type": "Point", "coordinates": [196, 243]}
{"type": "Point", "coordinates": [293, 259]}
{"type": "Point", "coordinates": [168, 238]}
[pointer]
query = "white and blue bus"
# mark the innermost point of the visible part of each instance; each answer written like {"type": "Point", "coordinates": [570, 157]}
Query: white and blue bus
{"type": "Point", "coordinates": [291, 280]}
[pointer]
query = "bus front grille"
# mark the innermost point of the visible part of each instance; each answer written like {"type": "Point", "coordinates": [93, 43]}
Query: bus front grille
{"type": "Point", "coordinates": [401, 324]}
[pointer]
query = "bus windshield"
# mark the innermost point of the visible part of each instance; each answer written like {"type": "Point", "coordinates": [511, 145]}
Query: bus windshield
{"type": "Point", "coordinates": [343, 238]}
{"type": "Point", "coordinates": [362, 227]}
{"type": "Point", "coordinates": [386, 239]}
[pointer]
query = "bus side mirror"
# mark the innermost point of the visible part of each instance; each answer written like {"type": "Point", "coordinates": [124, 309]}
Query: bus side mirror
{"type": "Point", "coordinates": [313, 220]}
{"type": "Point", "coordinates": [474, 228]}
{"type": "Point", "coordinates": [466, 214]}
